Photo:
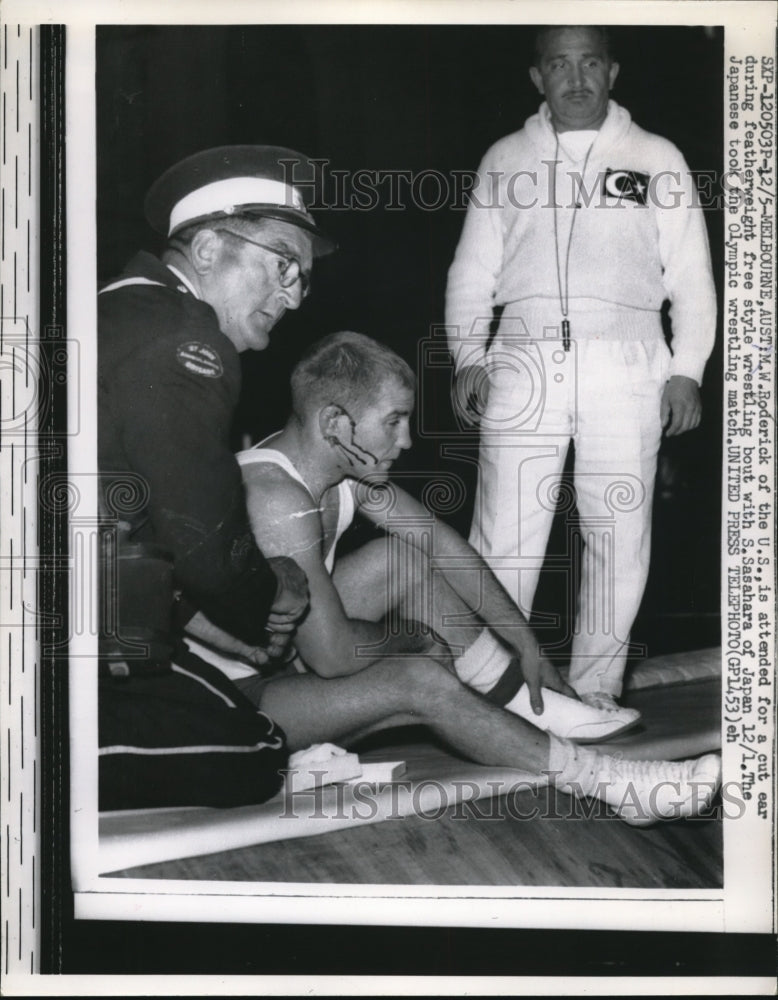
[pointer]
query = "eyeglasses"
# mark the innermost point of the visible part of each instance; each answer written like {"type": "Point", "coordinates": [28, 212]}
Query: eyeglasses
{"type": "Point", "coordinates": [289, 271]}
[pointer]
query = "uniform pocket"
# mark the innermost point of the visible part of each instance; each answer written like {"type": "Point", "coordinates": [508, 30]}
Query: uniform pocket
{"type": "Point", "coordinates": [647, 364]}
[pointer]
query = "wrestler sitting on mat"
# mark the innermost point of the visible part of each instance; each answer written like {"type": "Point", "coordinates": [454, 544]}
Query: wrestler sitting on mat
{"type": "Point", "coordinates": [396, 633]}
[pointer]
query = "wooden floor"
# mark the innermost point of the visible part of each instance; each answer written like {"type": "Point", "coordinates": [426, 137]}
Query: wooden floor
{"type": "Point", "coordinates": [528, 838]}
{"type": "Point", "coordinates": [481, 843]}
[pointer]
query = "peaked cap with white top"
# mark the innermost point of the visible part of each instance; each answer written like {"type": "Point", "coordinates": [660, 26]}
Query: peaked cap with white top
{"type": "Point", "coordinates": [270, 182]}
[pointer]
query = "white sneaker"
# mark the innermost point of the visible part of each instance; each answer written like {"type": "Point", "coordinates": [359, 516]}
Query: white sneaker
{"type": "Point", "coordinates": [571, 719]}
{"type": "Point", "coordinates": [607, 703]}
{"type": "Point", "coordinates": [643, 791]}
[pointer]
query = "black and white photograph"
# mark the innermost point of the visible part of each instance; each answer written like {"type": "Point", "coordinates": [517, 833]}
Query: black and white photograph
{"type": "Point", "coordinates": [395, 590]}
{"type": "Point", "coordinates": [392, 287]}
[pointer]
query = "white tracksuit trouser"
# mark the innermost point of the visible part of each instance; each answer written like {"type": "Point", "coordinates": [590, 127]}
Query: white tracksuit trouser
{"type": "Point", "coordinates": [605, 396]}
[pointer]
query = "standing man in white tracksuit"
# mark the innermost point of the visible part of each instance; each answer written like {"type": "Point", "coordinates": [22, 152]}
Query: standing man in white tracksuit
{"type": "Point", "coordinates": [580, 226]}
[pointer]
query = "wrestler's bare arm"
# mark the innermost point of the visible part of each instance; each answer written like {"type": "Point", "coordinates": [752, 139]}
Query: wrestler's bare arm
{"type": "Point", "coordinates": [286, 521]}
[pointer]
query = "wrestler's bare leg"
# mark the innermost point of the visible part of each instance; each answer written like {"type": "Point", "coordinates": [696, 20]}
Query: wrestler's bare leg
{"type": "Point", "coordinates": [315, 710]}
{"type": "Point", "coordinates": [403, 691]}
{"type": "Point", "coordinates": [391, 579]}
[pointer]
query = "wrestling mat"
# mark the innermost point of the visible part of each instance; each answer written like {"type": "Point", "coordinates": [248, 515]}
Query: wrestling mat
{"type": "Point", "coordinates": [679, 696]}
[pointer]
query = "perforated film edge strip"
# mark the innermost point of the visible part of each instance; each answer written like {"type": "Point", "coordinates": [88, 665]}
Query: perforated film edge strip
{"type": "Point", "coordinates": [22, 389]}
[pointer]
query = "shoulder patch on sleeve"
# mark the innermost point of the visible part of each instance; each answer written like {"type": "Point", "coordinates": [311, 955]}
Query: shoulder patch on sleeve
{"type": "Point", "coordinates": [200, 358]}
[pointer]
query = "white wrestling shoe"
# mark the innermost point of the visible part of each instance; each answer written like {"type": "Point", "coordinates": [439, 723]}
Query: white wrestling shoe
{"type": "Point", "coordinates": [573, 720]}
{"type": "Point", "coordinates": [606, 703]}
{"type": "Point", "coordinates": [641, 792]}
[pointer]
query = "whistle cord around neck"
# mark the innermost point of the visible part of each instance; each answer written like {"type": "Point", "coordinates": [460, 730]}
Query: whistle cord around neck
{"type": "Point", "coordinates": [564, 293]}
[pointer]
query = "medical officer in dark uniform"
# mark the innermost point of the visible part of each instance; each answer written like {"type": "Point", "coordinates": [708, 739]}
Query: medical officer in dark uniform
{"type": "Point", "coordinates": [176, 538]}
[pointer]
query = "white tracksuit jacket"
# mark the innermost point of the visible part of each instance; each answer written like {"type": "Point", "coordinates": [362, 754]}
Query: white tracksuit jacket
{"type": "Point", "coordinates": [638, 238]}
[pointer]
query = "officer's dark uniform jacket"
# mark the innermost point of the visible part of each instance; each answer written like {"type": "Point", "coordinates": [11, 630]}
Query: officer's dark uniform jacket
{"type": "Point", "coordinates": [168, 384]}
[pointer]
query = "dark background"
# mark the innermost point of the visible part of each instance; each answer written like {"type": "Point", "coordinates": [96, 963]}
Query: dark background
{"type": "Point", "coordinates": [410, 98]}
{"type": "Point", "coordinates": [413, 98]}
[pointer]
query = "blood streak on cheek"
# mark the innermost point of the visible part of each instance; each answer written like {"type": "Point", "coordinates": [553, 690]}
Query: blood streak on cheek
{"type": "Point", "coordinates": [355, 444]}
{"type": "Point", "coordinates": [354, 451]}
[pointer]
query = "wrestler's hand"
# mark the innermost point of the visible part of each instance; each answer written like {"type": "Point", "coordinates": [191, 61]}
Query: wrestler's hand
{"type": "Point", "coordinates": [203, 630]}
{"type": "Point", "coordinates": [681, 408]}
{"type": "Point", "coordinates": [256, 656]}
{"type": "Point", "coordinates": [288, 608]}
{"type": "Point", "coordinates": [539, 673]}
{"type": "Point", "coordinates": [471, 394]}
{"type": "Point", "coordinates": [291, 601]}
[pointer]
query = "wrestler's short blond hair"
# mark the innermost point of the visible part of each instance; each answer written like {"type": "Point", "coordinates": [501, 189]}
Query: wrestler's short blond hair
{"type": "Point", "coordinates": [346, 369]}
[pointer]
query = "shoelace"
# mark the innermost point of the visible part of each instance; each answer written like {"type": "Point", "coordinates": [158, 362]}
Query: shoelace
{"type": "Point", "coordinates": [649, 770]}
{"type": "Point", "coordinates": [604, 705]}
